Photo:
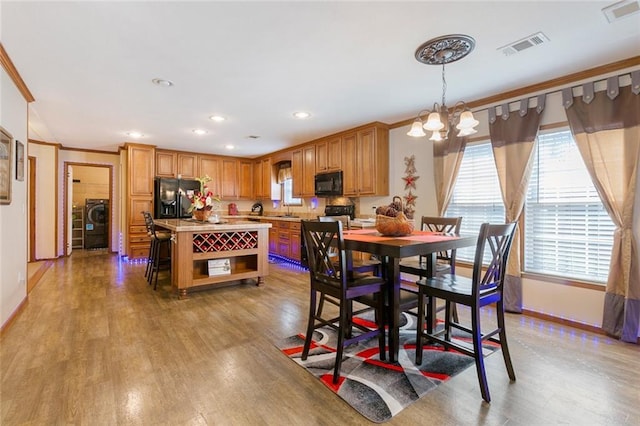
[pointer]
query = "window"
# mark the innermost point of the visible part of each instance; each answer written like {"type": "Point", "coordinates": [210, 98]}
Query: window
{"type": "Point", "coordinates": [476, 195]}
{"type": "Point", "coordinates": [287, 194]}
{"type": "Point", "coordinates": [567, 232]}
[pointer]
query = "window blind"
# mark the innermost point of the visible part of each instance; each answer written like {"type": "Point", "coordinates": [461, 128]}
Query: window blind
{"type": "Point", "coordinates": [568, 232]}
{"type": "Point", "coordinates": [476, 195]}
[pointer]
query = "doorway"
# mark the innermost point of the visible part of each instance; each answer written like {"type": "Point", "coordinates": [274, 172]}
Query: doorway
{"type": "Point", "coordinates": [88, 213]}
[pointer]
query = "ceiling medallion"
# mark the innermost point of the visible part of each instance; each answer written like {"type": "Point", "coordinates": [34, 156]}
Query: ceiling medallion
{"type": "Point", "coordinates": [445, 49]}
{"type": "Point", "coordinates": [440, 119]}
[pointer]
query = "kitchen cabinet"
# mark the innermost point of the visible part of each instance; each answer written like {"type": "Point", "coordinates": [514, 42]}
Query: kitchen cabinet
{"type": "Point", "coordinates": [140, 169]}
{"type": "Point", "coordinates": [283, 238]}
{"type": "Point", "coordinates": [294, 240]}
{"type": "Point", "coordinates": [229, 178]}
{"type": "Point", "coordinates": [209, 165]}
{"type": "Point", "coordinates": [365, 156]}
{"type": "Point", "coordinates": [166, 164]}
{"type": "Point", "coordinates": [329, 155]}
{"type": "Point", "coordinates": [187, 166]}
{"type": "Point", "coordinates": [303, 170]}
{"type": "Point", "coordinates": [258, 187]}
{"type": "Point", "coordinates": [245, 180]}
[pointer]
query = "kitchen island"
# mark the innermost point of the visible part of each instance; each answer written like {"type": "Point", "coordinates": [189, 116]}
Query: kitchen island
{"type": "Point", "coordinates": [205, 254]}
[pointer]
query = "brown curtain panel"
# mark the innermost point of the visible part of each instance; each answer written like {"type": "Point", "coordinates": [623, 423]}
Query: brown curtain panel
{"type": "Point", "coordinates": [606, 128]}
{"type": "Point", "coordinates": [513, 139]}
{"type": "Point", "coordinates": [447, 156]}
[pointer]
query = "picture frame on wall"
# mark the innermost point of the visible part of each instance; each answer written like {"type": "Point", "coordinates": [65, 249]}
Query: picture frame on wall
{"type": "Point", "coordinates": [19, 161]}
{"type": "Point", "coordinates": [5, 166]}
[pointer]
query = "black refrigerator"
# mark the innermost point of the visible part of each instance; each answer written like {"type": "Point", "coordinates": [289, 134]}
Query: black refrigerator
{"type": "Point", "coordinates": [170, 197]}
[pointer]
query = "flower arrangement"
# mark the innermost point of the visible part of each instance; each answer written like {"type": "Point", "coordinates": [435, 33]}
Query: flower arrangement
{"type": "Point", "coordinates": [203, 199]}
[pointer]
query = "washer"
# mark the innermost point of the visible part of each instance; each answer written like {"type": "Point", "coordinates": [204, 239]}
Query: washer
{"type": "Point", "coordinates": [97, 223]}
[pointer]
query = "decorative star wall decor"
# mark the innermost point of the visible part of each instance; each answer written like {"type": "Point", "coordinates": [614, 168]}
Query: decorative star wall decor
{"type": "Point", "coordinates": [410, 181]}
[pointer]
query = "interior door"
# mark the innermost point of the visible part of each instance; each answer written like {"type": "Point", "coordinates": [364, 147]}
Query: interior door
{"type": "Point", "coordinates": [69, 217]}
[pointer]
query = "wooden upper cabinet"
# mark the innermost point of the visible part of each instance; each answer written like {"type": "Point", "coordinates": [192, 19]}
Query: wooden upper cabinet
{"type": "Point", "coordinates": [258, 187]}
{"type": "Point", "coordinates": [365, 158]}
{"type": "Point", "coordinates": [303, 171]}
{"type": "Point", "coordinates": [245, 179]}
{"type": "Point", "coordinates": [187, 166]}
{"type": "Point", "coordinates": [229, 178]}
{"type": "Point", "coordinates": [309, 171]}
{"type": "Point", "coordinates": [297, 173]}
{"type": "Point", "coordinates": [166, 164]}
{"type": "Point", "coordinates": [329, 155]}
{"type": "Point", "coordinates": [141, 168]}
{"type": "Point", "coordinates": [211, 166]}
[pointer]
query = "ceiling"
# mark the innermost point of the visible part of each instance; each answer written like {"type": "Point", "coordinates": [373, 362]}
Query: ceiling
{"type": "Point", "coordinates": [90, 65]}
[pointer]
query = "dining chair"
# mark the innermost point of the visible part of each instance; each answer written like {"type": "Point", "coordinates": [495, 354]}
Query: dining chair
{"type": "Point", "coordinates": [160, 244]}
{"type": "Point", "coordinates": [329, 276]}
{"type": "Point", "coordinates": [361, 266]}
{"type": "Point", "coordinates": [484, 288]}
{"type": "Point", "coordinates": [445, 262]}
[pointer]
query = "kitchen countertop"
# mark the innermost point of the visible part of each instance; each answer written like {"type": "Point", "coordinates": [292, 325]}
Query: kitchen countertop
{"type": "Point", "coordinates": [357, 223]}
{"type": "Point", "coordinates": [227, 224]}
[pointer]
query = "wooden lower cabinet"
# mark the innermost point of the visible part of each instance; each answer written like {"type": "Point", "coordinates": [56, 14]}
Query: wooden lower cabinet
{"type": "Point", "coordinates": [284, 239]}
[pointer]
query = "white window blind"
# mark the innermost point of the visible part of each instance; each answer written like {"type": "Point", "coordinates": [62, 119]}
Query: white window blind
{"type": "Point", "coordinates": [476, 195]}
{"type": "Point", "coordinates": [568, 232]}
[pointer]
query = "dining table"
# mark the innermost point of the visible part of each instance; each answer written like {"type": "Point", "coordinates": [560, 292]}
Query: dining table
{"type": "Point", "coordinates": [390, 250]}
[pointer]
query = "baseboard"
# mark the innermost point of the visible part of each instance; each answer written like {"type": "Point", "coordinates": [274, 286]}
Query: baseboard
{"type": "Point", "coordinates": [35, 279]}
{"type": "Point", "coordinates": [564, 321]}
{"type": "Point", "coordinates": [7, 324]}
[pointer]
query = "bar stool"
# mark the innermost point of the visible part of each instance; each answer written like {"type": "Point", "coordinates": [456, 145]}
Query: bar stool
{"type": "Point", "coordinates": [155, 260]}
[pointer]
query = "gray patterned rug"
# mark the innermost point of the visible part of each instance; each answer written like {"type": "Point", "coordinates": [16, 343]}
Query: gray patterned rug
{"type": "Point", "coordinates": [376, 389]}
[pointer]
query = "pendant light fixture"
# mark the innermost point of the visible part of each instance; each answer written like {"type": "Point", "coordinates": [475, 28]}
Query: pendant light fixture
{"type": "Point", "coordinates": [439, 120]}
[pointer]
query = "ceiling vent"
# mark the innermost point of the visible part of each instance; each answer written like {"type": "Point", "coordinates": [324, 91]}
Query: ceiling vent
{"type": "Point", "coordinates": [525, 43]}
{"type": "Point", "coordinates": [621, 9]}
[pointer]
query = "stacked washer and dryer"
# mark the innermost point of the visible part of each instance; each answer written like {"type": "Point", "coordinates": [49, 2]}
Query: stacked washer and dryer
{"type": "Point", "coordinates": [96, 228]}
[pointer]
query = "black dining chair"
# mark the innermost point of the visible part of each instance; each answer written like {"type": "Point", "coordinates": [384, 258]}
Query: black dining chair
{"type": "Point", "coordinates": [361, 266]}
{"type": "Point", "coordinates": [159, 257]}
{"type": "Point", "coordinates": [484, 288]}
{"type": "Point", "coordinates": [445, 263]}
{"type": "Point", "coordinates": [329, 276]}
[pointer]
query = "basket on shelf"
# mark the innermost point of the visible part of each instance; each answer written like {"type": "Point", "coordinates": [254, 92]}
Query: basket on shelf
{"type": "Point", "coordinates": [395, 226]}
{"type": "Point", "coordinates": [202, 215]}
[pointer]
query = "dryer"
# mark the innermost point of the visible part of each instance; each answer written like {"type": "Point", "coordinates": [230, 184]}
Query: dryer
{"type": "Point", "coordinates": [96, 232]}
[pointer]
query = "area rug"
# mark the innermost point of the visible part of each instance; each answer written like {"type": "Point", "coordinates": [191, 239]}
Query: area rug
{"type": "Point", "coordinates": [376, 389]}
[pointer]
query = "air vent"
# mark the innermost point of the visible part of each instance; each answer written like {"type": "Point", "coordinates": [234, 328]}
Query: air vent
{"type": "Point", "coordinates": [525, 43]}
{"type": "Point", "coordinates": [621, 9]}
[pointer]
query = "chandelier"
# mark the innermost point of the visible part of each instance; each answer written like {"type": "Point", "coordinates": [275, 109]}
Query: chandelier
{"type": "Point", "coordinates": [439, 120]}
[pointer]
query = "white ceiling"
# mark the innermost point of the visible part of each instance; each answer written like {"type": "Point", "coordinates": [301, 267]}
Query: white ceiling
{"type": "Point", "coordinates": [89, 65]}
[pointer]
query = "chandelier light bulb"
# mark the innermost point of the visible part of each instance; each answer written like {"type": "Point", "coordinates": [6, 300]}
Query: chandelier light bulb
{"type": "Point", "coordinates": [416, 129]}
{"type": "Point", "coordinates": [466, 132]}
{"type": "Point", "coordinates": [436, 136]}
{"type": "Point", "coordinates": [467, 121]}
{"type": "Point", "coordinates": [434, 123]}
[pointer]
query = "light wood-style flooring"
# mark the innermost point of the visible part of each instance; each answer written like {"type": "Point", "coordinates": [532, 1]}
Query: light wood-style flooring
{"type": "Point", "coordinates": [95, 345]}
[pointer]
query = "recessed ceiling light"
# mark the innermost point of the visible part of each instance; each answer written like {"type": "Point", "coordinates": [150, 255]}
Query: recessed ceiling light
{"type": "Point", "coordinates": [229, 147]}
{"type": "Point", "coordinates": [301, 115]}
{"type": "Point", "coordinates": [135, 135]}
{"type": "Point", "coordinates": [200, 131]}
{"type": "Point", "coordinates": [162, 82]}
{"type": "Point", "coordinates": [217, 118]}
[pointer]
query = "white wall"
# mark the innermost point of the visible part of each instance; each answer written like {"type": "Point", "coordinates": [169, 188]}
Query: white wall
{"type": "Point", "coordinates": [13, 217]}
{"type": "Point", "coordinates": [46, 193]}
{"type": "Point", "coordinates": [559, 300]}
{"type": "Point", "coordinates": [91, 158]}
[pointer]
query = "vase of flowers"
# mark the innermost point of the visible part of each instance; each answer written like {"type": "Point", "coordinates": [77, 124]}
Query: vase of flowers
{"type": "Point", "coordinates": [203, 202]}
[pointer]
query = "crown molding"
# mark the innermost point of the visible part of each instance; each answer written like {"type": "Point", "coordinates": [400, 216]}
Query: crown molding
{"type": "Point", "coordinates": [8, 66]}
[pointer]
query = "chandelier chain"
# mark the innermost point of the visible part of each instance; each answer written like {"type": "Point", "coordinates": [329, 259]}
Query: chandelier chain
{"type": "Point", "coordinates": [444, 86]}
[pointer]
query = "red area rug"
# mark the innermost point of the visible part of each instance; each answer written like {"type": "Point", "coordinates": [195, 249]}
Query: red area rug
{"type": "Point", "coordinates": [376, 389]}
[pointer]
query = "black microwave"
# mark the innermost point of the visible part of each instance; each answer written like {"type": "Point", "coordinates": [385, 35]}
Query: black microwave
{"type": "Point", "coordinates": [329, 184]}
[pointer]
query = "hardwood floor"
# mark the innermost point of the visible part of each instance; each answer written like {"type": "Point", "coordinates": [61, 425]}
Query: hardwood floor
{"type": "Point", "coordinates": [96, 345]}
